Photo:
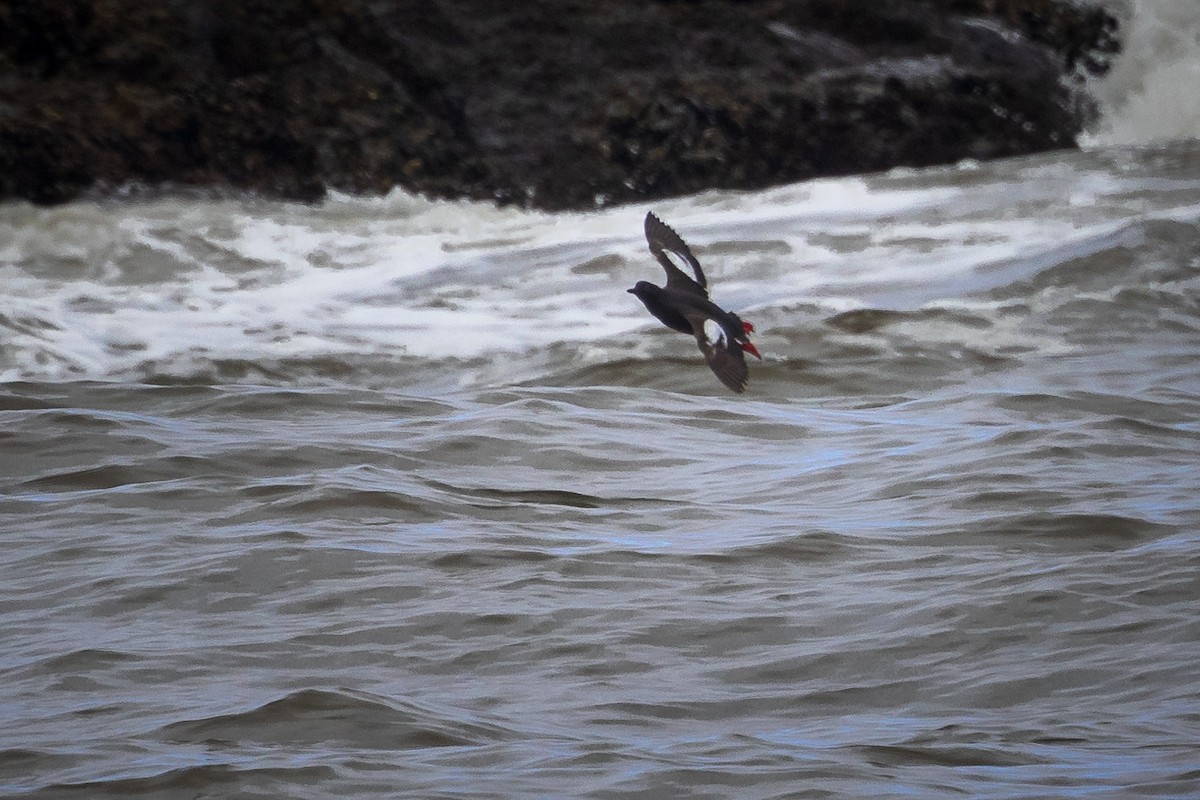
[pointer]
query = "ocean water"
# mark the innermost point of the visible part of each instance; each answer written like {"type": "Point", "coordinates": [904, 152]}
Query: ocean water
{"type": "Point", "coordinates": [387, 497]}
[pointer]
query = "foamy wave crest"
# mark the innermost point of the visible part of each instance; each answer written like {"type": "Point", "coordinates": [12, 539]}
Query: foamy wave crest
{"type": "Point", "coordinates": [1150, 93]}
{"type": "Point", "coordinates": [404, 291]}
{"type": "Point", "coordinates": [179, 288]}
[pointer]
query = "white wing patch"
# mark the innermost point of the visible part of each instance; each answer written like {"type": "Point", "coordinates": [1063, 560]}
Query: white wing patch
{"type": "Point", "coordinates": [714, 333]}
{"type": "Point", "coordinates": [680, 262]}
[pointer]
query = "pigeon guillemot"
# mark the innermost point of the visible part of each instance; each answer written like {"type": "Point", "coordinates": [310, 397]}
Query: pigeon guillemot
{"type": "Point", "coordinates": [683, 305]}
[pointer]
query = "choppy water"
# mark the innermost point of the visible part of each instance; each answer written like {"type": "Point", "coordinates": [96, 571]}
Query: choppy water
{"type": "Point", "coordinates": [399, 498]}
{"type": "Point", "coordinates": [392, 498]}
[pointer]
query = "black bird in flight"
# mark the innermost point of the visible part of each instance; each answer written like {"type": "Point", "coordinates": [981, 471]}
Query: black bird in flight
{"type": "Point", "coordinates": [683, 305]}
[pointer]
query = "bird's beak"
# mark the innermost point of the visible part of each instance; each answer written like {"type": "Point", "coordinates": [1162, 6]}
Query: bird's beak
{"type": "Point", "coordinates": [752, 350]}
{"type": "Point", "coordinates": [629, 290]}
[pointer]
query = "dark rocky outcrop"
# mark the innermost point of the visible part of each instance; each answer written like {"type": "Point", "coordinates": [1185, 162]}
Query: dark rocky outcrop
{"type": "Point", "coordinates": [560, 104]}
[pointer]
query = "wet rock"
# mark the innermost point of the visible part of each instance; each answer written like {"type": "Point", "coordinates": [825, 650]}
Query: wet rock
{"type": "Point", "coordinates": [559, 104]}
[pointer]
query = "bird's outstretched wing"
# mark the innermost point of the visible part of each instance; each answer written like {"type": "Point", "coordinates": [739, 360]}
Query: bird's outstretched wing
{"type": "Point", "coordinates": [671, 251]}
{"type": "Point", "coordinates": [724, 355]}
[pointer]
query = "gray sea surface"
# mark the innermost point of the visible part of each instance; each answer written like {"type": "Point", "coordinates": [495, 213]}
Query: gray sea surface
{"type": "Point", "coordinates": [394, 498]}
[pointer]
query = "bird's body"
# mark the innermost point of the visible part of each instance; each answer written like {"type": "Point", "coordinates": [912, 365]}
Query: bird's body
{"type": "Point", "coordinates": [683, 305]}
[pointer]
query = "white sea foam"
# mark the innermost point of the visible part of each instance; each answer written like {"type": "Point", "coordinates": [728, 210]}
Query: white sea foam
{"type": "Point", "coordinates": [166, 286]}
{"type": "Point", "coordinates": [1150, 95]}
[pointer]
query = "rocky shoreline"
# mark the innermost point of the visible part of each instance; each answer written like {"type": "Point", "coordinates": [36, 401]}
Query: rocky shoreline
{"type": "Point", "coordinates": [558, 105]}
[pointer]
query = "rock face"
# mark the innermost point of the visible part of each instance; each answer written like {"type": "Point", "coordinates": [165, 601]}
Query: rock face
{"type": "Point", "coordinates": [553, 103]}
